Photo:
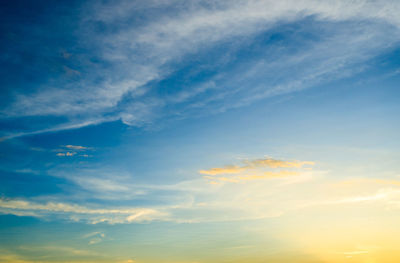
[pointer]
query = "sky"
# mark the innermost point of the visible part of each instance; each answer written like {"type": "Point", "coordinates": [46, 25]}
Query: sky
{"type": "Point", "coordinates": [199, 131]}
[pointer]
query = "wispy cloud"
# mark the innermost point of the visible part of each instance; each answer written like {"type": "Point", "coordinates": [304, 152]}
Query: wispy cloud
{"type": "Point", "coordinates": [234, 197]}
{"type": "Point", "coordinates": [93, 234]}
{"type": "Point", "coordinates": [254, 170]}
{"type": "Point", "coordinates": [253, 164]}
{"type": "Point", "coordinates": [80, 213]}
{"type": "Point", "coordinates": [249, 177]}
{"type": "Point", "coordinates": [277, 163]}
{"type": "Point", "coordinates": [71, 125]}
{"type": "Point", "coordinates": [94, 237]}
{"type": "Point", "coordinates": [76, 147]}
{"type": "Point", "coordinates": [134, 57]}
{"type": "Point", "coordinates": [233, 169]}
{"type": "Point", "coordinates": [388, 196]}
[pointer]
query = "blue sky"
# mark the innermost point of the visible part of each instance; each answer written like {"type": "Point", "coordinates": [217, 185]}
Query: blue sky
{"type": "Point", "coordinates": [202, 130]}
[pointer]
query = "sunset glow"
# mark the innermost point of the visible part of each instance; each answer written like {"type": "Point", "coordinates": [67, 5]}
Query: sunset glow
{"type": "Point", "coordinates": [149, 131]}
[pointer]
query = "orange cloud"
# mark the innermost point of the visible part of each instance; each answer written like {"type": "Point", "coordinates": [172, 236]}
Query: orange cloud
{"type": "Point", "coordinates": [257, 168]}
{"type": "Point", "coordinates": [272, 163]}
{"type": "Point", "coordinates": [229, 169]}
{"type": "Point", "coordinates": [254, 164]}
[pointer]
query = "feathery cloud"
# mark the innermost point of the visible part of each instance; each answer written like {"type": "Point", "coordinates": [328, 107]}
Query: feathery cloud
{"type": "Point", "coordinates": [80, 213]}
{"type": "Point", "coordinates": [155, 49]}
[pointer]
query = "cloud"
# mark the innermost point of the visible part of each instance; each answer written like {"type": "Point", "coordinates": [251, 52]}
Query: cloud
{"type": "Point", "coordinates": [268, 175]}
{"type": "Point", "coordinates": [103, 185]}
{"type": "Point", "coordinates": [243, 196]}
{"type": "Point", "coordinates": [132, 57]}
{"type": "Point", "coordinates": [277, 163]}
{"type": "Point", "coordinates": [223, 179]}
{"type": "Point", "coordinates": [252, 165]}
{"type": "Point", "coordinates": [80, 213]}
{"type": "Point", "coordinates": [76, 147]}
{"type": "Point", "coordinates": [95, 237]}
{"type": "Point", "coordinates": [97, 233]}
{"type": "Point", "coordinates": [250, 177]}
{"type": "Point", "coordinates": [254, 170]}
{"type": "Point", "coordinates": [390, 197]}
{"type": "Point", "coordinates": [95, 240]}
{"type": "Point", "coordinates": [71, 125]}
{"type": "Point", "coordinates": [66, 154]}
{"type": "Point", "coordinates": [233, 169]}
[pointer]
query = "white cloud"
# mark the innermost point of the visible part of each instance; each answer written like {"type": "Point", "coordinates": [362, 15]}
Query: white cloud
{"type": "Point", "coordinates": [77, 147]}
{"type": "Point", "coordinates": [95, 237]}
{"type": "Point", "coordinates": [97, 233]}
{"type": "Point", "coordinates": [80, 213]}
{"type": "Point", "coordinates": [101, 185]}
{"type": "Point", "coordinates": [138, 55]}
{"type": "Point", "coordinates": [66, 154]}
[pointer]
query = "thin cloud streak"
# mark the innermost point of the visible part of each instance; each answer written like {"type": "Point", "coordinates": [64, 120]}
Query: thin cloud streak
{"type": "Point", "coordinates": [255, 164]}
{"type": "Point", "coordinates": [79, 212]}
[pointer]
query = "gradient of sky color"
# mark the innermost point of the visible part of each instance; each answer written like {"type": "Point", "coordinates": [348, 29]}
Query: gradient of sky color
{"type": "Point", "coordinates": [200, 131]}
